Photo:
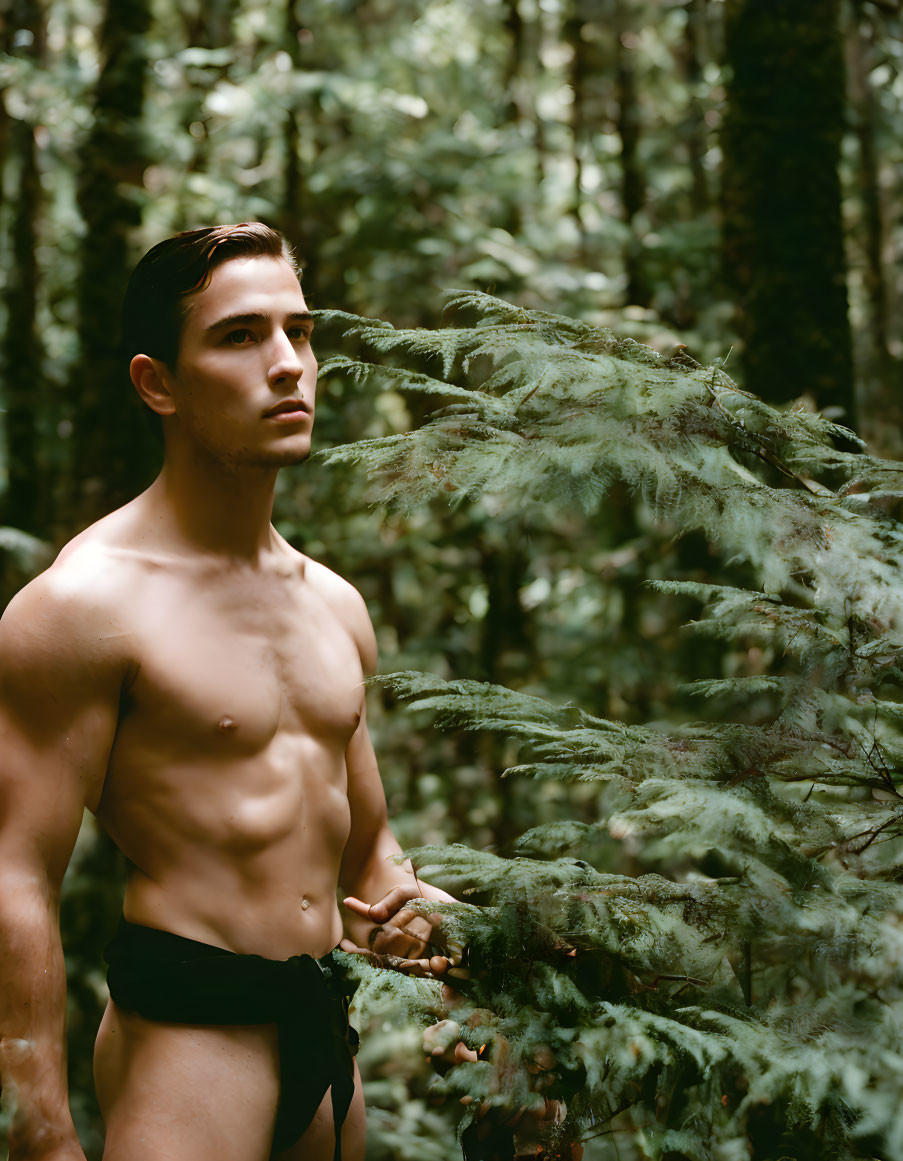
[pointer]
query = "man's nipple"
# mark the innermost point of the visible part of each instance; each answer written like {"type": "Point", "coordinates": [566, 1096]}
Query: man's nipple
{"type": "Point", "coordinates": [225, 724]}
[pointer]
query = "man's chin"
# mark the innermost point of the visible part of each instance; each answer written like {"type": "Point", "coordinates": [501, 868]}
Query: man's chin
{"type": "Point", "coordinates": [281, 458]}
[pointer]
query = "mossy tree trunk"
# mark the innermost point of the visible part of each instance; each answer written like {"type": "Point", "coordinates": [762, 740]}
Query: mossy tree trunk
{"type": "Point", "coordinates": [783, 244]}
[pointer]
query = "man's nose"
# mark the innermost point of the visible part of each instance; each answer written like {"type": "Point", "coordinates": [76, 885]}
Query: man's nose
{"type": "Point", "coordinates": [285, 361]}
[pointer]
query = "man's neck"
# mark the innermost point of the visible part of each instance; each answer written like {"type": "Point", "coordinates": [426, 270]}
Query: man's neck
{"type": "Point", "coordinates": [213, 509]}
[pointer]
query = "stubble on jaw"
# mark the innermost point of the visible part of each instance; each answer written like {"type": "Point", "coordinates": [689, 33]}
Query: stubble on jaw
{"type": "Point", "coordinates": [233, 458]}
{"type": "Point", "coordinates": [248, 459]}
{"type": "Point", "coordinates": [277, 460]}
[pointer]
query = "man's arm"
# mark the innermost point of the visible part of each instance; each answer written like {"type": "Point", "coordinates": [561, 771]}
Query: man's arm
{"type": "Point", "coordinates": [59, 697]}
{"type": "Point", "coordinates": [376, 884]}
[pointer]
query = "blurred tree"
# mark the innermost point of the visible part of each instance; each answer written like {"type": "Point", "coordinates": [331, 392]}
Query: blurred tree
{"type": "Point", "coordinates": [24, 394]}
{"type": "Point", "coordinates": [878, 390]}
{"type": "Point", "coordinates": [633, 185]}
{"type": "Point", "coordinates": [861, 62]}
{"type": "Point", "coordinates": [782, 221]}
{"type": "Point", "coordinates": [208, 24]}
{"type": "Point", "coordinates": [573, 31]}
{"type": "Point", "coordinates": [692, 56]}
{"type": "Point", "coordinates": [300, 220]}
{"type": "Point", "coordinates": [111, 447]}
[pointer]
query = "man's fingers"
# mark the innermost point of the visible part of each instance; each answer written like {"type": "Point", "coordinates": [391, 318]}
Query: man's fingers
{"type": "Point", "coordinates": [416, 926]}
{"type": "Point", "coordinates": [390, 940]}
{"type": "Point", "coordinates": [397, 941]}
{"type": "Point", "coordinates": [434, 967]}
{"type": "Point", "coordinates": [415, 967]}
{"type": "Point", "coordinates": [384, 908]}
{"type": "Point", "coordinates": [403, 935]}
{"type": "Point", "coordinates": [379, 911]}
{"type": "Point", "coordinates": [358, 906]}
{"type": "Point", "coordinates": [426, 927]}
{"type": "Point", "coordinates": [441, 1038]}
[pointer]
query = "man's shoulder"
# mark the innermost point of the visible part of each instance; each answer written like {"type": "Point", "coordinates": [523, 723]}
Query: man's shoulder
{"type": "Point", "coordinates": [64, 662]}
{"type": "Point", "coordinates": [74, 611]}
{"type": "Point", "coordinates": [330, 585]}
{"type": "Point", "coordinates": [57, 609]}
{"type": "Point", "coordinates": [346, 603]}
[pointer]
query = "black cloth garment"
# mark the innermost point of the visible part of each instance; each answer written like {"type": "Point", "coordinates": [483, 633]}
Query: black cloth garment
{"type": "Point", "coordinates": [166, 977]}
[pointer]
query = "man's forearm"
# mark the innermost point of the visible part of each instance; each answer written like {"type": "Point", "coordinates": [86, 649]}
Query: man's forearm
{"type": "Point", "coordinates": [33, 1025]}
{"type": "Point", "coordinates": [382, 870]}
{"type": "Point", "coordinates": [379, 874]}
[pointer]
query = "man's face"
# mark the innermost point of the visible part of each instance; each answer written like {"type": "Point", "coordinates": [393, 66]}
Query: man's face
{"type": "Point", "coordinates": [245, 379]}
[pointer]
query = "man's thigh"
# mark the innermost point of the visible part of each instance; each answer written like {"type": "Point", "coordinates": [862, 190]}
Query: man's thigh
{"type": "Point", "coordinates": [318, 1141]}
{"type": "Point", "coordinates": [169, 1092]}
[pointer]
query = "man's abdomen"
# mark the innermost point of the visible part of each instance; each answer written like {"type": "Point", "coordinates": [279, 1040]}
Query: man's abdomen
{"type": "Point", "coordinates": [242, 854]}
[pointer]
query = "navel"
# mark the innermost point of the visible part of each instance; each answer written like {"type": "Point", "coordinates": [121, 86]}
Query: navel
{"type": "Point", "coordinates": [225, 724]}
{"type": "Point", "coordinates": [305, 902]}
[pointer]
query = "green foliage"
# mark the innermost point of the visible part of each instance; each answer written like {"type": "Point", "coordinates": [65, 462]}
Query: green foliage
{"type": "Point", "coordinates": [758, 977]}
{"type": "Point", "coordinates": [561, 409]}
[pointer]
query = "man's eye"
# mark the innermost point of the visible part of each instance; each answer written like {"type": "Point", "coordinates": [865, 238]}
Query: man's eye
{"type": "Point", "coordinates": [297, 334]}
{"type": "Point", "coordinates": [239, 337]}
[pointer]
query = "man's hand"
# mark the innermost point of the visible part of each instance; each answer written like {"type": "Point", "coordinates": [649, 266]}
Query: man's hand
{"type": "Point", "coordinates": [528, 1123]}
{"type": "Point", "coordinates": [401, 937]}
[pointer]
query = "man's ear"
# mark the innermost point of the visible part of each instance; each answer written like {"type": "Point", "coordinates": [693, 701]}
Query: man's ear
{"type": "Point", "coordinates": [150, 378]}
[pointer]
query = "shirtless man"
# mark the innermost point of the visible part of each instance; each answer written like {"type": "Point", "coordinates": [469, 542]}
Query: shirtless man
{"type": "Point", "coordinates": [196, 683]}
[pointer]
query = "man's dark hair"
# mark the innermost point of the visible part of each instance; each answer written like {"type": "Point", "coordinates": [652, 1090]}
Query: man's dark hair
{"type": "Point", "coordinates": [156, 298]}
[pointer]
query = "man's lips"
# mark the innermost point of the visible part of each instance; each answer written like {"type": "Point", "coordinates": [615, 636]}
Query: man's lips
{"type": "Point", "coordinates": [287, 407]}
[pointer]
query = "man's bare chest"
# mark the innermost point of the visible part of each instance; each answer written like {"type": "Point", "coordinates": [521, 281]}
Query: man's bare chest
{"type": "Point", "coordinates": [229, 666]}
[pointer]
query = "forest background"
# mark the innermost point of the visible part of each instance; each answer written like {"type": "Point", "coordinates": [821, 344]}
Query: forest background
{"type": "Point", "coordinates": [714, 178]}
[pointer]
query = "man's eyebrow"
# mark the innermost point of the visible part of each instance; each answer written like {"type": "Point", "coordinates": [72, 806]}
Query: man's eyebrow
{"type": "Point", "coordinates": [243, 320]}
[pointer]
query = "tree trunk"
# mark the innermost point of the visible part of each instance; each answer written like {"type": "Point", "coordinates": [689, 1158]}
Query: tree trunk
{"type": "Point", "coordinates": [880, 410]}
{"type": "Point", "coordinates": [6, 31]}
{"type": "Point", "coordinates": [210, 26]}
{"type": "Point", "coordinates": [513, 84]}
{"type": "Point", "coordinates": [633, 186]}
{"type": "Point", "coordinates": [22, 351]}
{"type": "Point", "coordinates": [860, 56]}
{"type": "Point", "coordinates": [537, 30]}
{"type": "Point", "coordinates": [572, 34]}
{"type": "Point", "coordinates": [299, 223]}
{"type": "Point", "coordinates": [783, 244]}
{"type": "Point", "coordinates": [691, 62]}
{"type": "Point", "coordinates": [514, 66]}
{"type": "Point", "coordinates": [507, 652]}
{"type": "Point", "coordinates": [690, 55]}
{"type": "Point", "coordinates": [112, 453]}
